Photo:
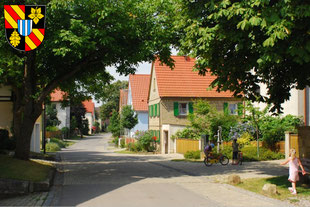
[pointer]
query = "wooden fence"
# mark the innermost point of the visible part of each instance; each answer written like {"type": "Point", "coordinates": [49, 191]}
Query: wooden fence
{"type": "Point", "coordinates": [53, 134]}
{"type": "Point", "coordinates": [184, 145]}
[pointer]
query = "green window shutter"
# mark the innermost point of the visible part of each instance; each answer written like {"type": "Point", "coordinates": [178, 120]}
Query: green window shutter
{"type": "Point", "coordinates": [155, 106]}
{"type": "Point", "coordinates": [190, 107]}
{"type": "Point", "coordinates": [240, 109]}
{"type": "Point", "coordinates": [152, 110]}
{"type": "Point", "coordinates": [158, 140]}
{"type": "Point", "coordinates": [156, 133]}
{"type": "Point", "coordinates": [149, 110]}
{"type": "Point", "coordinates": [176, 108]}
{"type": "Point", "coordinates": [226, 111]}
{"type": "Point", "coordinates": [158, 109]}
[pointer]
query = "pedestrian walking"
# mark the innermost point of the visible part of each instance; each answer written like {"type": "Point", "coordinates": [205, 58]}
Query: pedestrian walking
{"type": "Point", "coordinates": [294, 164]}
{"type": "Point", "coordinates": [235, 147]}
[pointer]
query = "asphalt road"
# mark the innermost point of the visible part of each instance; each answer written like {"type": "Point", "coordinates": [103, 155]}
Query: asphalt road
{"type": "Point", "coordinates": [91, 174]}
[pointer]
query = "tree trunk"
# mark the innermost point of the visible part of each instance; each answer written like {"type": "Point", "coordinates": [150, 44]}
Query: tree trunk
{"type": "Point", "coordinates": [26, 109]}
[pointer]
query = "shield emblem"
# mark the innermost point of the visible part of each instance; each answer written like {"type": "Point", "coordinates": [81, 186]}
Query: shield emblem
{"type": "Point", "coordinates": [24, 26]}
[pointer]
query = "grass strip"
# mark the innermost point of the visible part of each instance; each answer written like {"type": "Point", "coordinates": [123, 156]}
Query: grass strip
{"type": "Point", "coordinates": [32, 170]}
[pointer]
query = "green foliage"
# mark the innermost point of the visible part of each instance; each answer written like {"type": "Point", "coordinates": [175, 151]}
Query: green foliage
{"type": "Point", "coordinates": [146, 142]}
{"type": "Point", "coordinates": [97, 125]}
{"type": "Point", "coordinates": [52, 147]}
{"type": "Point", "coordinates": [77, 115]}
{"type": "Point", "coordinates": [128, 118]}
{"type": "Point", "coordinates": [51, 116]}
{"type": "Point", "coordinates": [122, 143]}
{"type": "Point", "coordinates": [250, 153]}
{"type": "Point", "coordinates": [187, 133]}
{"type": "Point", "coordinates": [206, 120]}
{"type": "Point", "coordinates": [59, 142]}
{"type": "Point", "coordinates": [273, 128]}
{"type": "Point", "coordinates": [115, 141]}
{"type": "Point", "coordinates": [51, 128]}
{"type": "Point", "coordinates": [111, 98]}
{"type": "Point", "coordinates": [114, 126]}
{"type": "Point", "coordinates": [192, 155]}
{"type": "Point", "coordinates": [244, 139]}
{"type": "Point", "coordinates": [85, 127]}
{"type": "Point", "coordinates": [233, 38]}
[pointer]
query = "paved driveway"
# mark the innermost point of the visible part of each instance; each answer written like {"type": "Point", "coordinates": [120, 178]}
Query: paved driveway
{"type": "Point", "coordinates": [92, 175]}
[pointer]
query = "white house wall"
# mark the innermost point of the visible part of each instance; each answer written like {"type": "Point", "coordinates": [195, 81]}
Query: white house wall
{"type": "Point", "coordinates": [63, 115]}
{"type": "Point", "coordinates": [90, 119]}
{"type": "Point", "coordinates": [143, 123]}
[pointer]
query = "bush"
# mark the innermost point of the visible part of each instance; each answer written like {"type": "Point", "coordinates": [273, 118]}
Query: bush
{"type": "Point", "coordinates": [51, 128]}
{"type": "Point", "coordinates": [6, 142]}
{"type": "Point", "coordinates": [146, 142]}
{"type": "Point", "coordinates": [115, 141]}
{"type": "Point", "coordinates": [187, 133]}
{"type": "Point", "coordinates": [250, 153]}
{"type": "Point", "coordinates": [192, 155]}
{"type": "Point", "coordinates": [65, 132]}
{"type": "Point", "coordinates": [52, 147]}
{"type": "Point", "coordinates": [132, 147]}
{"type": "Point", "coordinates": [122, 144]}
{"type": "Point", "coordinates": [59, 142]}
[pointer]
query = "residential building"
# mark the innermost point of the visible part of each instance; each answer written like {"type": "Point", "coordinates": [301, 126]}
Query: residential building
{"type": "Point", "coordinates": [6, 118]}
{"type": "Point", "coordinates": [63, 112]}
{"type": "Point", "coordinates": [297, 105]}
{"type": "Point", "coordinates": [89, 105]}
{"type": "Point", "coordinates": [137, 98]}
{"type": "Point", "coordinates": [171, 95]}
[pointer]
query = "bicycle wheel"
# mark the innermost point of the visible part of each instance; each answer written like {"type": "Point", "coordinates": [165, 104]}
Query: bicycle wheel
{"type": "Point", "coordinates": [207, 161]}
{"type": "Point", "coordinates": [224, 160]}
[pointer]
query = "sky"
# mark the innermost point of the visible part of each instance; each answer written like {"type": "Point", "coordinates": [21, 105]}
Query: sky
{"type": "Point", "coordinates": [143, 68]}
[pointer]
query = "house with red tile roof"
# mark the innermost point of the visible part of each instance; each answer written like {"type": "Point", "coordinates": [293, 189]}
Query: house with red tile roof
{"type": "Point", "coordinates": [89, 105]}
{"type": "Point", "coordinates": [171, 95]}
{"type": "Point", "coordinates": [137, 98]}
{"type": "Point", "coordinates": [63, 113]}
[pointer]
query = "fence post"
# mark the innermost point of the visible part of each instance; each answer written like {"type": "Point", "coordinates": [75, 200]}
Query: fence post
{"type": "Point", "coordinates": [287, 144]}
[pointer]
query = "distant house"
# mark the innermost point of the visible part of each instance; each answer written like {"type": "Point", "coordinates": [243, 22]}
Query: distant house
{"type": "Point", "coordinates": [89, 105]}
{"type": "Point", "coordinates": [137, 98]}
{"type": "Point", "coordinates": [297, 105]}
{"type": "Point", "coordinates": [171, 95]}
{"type": "Point", "coordinates": [63, 113]}
{"type": "Point", "coordinates": [6, 118]}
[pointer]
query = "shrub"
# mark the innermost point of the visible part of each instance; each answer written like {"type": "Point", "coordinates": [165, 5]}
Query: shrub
{"type": "Point", "coordinates": [52, 147]}
{"type": "Point", "coordinates": [51, 128]}
{"type": "Point", "coordinates": [244, 139]}
{"type": "Point", "coordinates": [192, 154]}
{"type": "Point", "coordinates": [250, 153]}
{"type": "Point", "coordinates": [115, 141]}
{"type": "Point", "coordinates": [122, 144]}
{"type": "Point", "coordinates": [132, 147]}
{"type": "Point", "coordinates": [187, 133]}
{"type": "Point", "coordinates": [59, 142]}
{"type": "Point", "coordinates": [147, 142]}
{"type": "Point", "coordinates": [6, 142]}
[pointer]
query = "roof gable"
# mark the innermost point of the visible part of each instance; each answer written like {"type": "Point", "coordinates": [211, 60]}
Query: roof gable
{"type": "Point", "coordinates": [89, 105]}
{"type": "Point", "coordinates": [182, 81]}
{"type": "Point", "coordinates": [139, 86]}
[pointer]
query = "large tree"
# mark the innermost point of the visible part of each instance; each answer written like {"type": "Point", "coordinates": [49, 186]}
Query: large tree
{"type": "Point", "coordinates": [110, 98]}
{"type": "Point", "coordinates": [82, 38]}
{"type": "Point", "coordinates": [248, 42]}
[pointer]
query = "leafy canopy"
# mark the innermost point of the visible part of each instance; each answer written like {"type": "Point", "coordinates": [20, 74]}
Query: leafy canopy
{"type": "Point", "coordinates": [246, 43]}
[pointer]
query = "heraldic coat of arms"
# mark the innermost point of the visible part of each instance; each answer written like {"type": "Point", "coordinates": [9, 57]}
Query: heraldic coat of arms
{"type": "Point", "coordinates": [24, 26]}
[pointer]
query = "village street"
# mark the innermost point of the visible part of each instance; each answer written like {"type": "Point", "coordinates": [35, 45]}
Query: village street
{"type": "Point", "coordinates": [93, 175]}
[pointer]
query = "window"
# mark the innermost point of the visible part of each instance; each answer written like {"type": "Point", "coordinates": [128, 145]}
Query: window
{"type": "Point", "coordinates": [233, 109]}
{"type": "Point", "coordinates": [183, 108]}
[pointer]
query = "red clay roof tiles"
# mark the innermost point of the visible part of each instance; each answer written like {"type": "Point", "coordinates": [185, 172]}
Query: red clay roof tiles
{"type": "Point", "coordinates": [139, 90]}
{"type": "Point", "coordinates": [183, 82]}
{"type": "Point", "coordinates": [89, 106]}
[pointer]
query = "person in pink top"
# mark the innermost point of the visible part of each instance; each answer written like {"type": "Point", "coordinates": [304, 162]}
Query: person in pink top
{"type": "Point", "coordinates": [294, 164]}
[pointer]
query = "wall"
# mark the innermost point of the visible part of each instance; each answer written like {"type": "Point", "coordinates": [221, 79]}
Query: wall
{"type": "Point", "coordinates": [63, 115]}
{"type": "Point", "coordinates": [89, 117]}
{"type": "Point", "coordinates": [6, 117]}
{"type": "Point", "coordinates": [143, 122]}
{"type": "Point", "coordinates": [304, 142]}
{"type": "Point", "coordinates": [293, 106]}
{"type": "Point", "coordinates": [167, 108]}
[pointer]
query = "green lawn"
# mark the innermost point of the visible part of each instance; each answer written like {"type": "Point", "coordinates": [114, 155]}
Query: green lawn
{"type": "Point", "coordinates": [23, 170]}
{"type": "Point", "coordinates": [256, 185]}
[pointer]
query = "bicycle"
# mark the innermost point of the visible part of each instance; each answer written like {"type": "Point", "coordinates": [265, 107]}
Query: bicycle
{"type": "Point", "coordinates": [209, 160]}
